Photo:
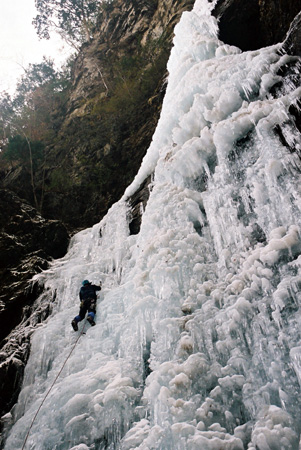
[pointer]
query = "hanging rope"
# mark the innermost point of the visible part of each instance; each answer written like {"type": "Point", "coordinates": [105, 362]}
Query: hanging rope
{"type": "Point", "coordinates": [54, 381]}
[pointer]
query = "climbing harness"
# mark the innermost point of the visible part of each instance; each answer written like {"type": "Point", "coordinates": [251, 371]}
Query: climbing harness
{"type": "Point", "coordinates": [54, 381]}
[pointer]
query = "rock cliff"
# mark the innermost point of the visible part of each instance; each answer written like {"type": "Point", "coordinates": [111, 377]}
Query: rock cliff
{"type": "Point", "coordinates": [28, 242]}
{"type": "Point", "coordinates": [255, 24]}
{"type": "Point", "coordinates": [118, 85]}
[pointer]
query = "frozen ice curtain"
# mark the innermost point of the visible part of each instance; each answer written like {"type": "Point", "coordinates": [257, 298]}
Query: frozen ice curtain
{"type": "Point", "coordinates": [197, 340]}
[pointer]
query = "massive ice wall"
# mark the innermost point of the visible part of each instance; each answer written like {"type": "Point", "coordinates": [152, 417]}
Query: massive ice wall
{"type": "Point", "coordinates": [197, 343]}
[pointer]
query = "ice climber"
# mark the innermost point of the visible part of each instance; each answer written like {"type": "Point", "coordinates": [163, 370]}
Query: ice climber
{"type": "Point", "coordinates": [88, 297]}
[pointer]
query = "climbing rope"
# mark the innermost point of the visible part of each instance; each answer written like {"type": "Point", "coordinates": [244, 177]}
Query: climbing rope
{"type": "Point", "coordinates": [54, 381]}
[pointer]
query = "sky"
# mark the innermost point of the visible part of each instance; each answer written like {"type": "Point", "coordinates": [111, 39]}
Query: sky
{"type": "Point", "coordinates": [19, 42]}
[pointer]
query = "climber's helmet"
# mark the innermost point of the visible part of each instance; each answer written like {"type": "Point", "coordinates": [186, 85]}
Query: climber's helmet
{"type": "Point", "coordinates": [85, 282]}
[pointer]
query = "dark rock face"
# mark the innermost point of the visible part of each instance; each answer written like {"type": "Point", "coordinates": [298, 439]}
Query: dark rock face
{"type": "Point", "coordinates": [27, 243]}
{"type": "Point", "coordinates": [252, 24]}
{"type": "Point", "coordinates": [239, 23]}
{"type": "Point", "coordinates": [118, 84]}
{"type": "Point", "coordinates": [113, 109]}
{"type": "Point", "coordinates": [292, 43]}
{"type": "Point", "coordinates": [137, 203]}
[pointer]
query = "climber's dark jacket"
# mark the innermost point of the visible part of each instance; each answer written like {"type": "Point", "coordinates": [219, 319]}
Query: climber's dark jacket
{"type": "Point", "coordinates": [89, 292]}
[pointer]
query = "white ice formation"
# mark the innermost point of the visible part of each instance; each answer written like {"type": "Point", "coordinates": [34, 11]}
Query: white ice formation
{"type": "Point", "coordinates": [198, 337]}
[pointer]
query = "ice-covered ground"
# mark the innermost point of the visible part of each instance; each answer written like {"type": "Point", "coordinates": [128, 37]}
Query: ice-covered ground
{"type": "Point", "coordinates": [198, 336]}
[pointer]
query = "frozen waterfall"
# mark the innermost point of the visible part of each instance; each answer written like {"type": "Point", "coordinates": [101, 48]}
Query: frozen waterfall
{"type": "Point", "coordinates": [198, 337]}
